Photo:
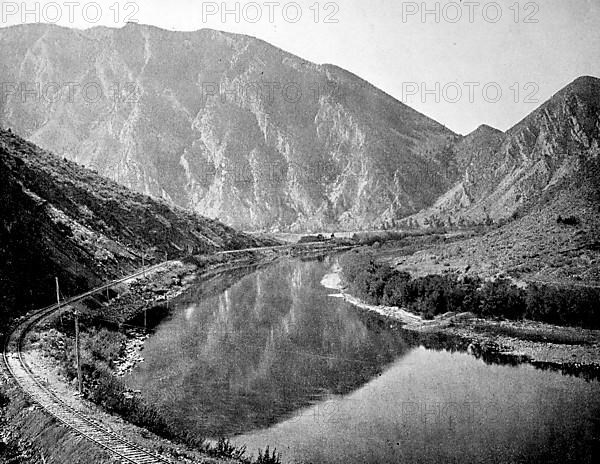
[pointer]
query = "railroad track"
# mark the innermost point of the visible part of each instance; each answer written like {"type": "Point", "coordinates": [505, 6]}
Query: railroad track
{"type": "Point", "coordinates": [80, 423]}
{"type": "Point", "coordinates": [17, 369]}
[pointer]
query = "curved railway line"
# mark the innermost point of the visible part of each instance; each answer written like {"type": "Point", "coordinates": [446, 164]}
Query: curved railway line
{"type": "Point", "coordinates": [17, 369]}
{"type": "Point", "coordinates": [80, 423]}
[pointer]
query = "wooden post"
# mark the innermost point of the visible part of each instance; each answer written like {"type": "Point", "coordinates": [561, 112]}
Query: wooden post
{"type": "Point", "coordinates": [78, 352]}
{"type": "Point", "coordinates": [58, 301]}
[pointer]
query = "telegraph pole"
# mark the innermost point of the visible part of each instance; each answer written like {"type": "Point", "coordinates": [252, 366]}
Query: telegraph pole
{"type": "Point", "coordinates": [58, 302]}
{"type": "Point", "coordinates": [167, 260]}
{"type": "Point", "coordinates": [78, 352]}
{"type": "Point", "coordinates": [145, 310]}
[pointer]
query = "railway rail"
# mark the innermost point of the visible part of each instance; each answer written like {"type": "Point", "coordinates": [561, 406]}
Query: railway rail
{"type": "Point", "coordinates": [16, 368]}
{"type": "Point", "coordinates": [77, 421]}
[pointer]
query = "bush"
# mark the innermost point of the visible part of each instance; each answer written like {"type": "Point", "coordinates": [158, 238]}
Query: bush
{"type": "Point", "coordinates": [268, 457]}
{"type": "Point", "coordinates": [568, 221]}
{"type": "Point", "coordinates": [395, 289]}
{"type": "Point", "coordinates": [502, 298]}
{"type": "Point", "coordinates": [108, 392]}
{"type": "Point", "coordinates": [355, 262]}
{"type": "Point", "coordinates": [312, 239]}
{"type": "Point", "coordinates": [365, 277]}
{"type": "Point", "coordinates": [224, 449]}
{"type": "Point", "coordinates": [432, 295]}
{"type": "Point", "coordinates": [4, 399]}
{"type": "Point", "coordinates": [563, 306]}
{"type": "Point", "coordinates": [104, 345]}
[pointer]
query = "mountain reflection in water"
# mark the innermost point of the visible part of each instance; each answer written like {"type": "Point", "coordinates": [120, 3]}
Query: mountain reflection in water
{"type": "Point", "coordinates": [270, 344]}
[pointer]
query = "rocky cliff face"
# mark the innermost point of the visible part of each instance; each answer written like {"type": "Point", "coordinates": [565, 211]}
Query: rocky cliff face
{"type": "Point", "coordinates": [225, 125]}
{"type": "Point", "coordinates": [553, 152]}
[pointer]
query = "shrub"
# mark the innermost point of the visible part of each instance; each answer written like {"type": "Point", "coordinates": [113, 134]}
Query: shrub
{"type": "Point", "coordinates": [104, 345]}
{"type": "Point", "coordinates": [572, 306]}
{"type": "Point", "coordinates": [268, 457]}
{"type": "Point", "coordinates": [311, 239]}
{"type": "Point", "coordinates": [568, 221]}
{"type": "Point", "coordinates": [224, 449]}
{"type": "Point", "coordinates": [395, 289]}
{"type": "Point", "coordinates": [4, 399]}
{"type": "Point", "coordinates": [437, 294]}
{"type": "Point", "coordinates": [371, 238]}
{"type": "Point", "coordinates": [364, 276]}
{"type": "Point", "coordinates": [108, 392]}
{"type": "Point", "coordinates": [354, 262]}
{"type": "Point", "coordinates": [502, 298]}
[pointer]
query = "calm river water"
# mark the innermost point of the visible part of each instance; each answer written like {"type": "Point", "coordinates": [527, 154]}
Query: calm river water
{"type": "Point", "coordinates": [270, 358]}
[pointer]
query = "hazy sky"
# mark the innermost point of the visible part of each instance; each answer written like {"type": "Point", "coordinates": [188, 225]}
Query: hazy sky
{"type": "Point", "coordinates": [464, 55]}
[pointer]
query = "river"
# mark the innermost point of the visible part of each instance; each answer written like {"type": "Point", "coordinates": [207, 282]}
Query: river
{"type": "Point", "coordinates": [269, 357]}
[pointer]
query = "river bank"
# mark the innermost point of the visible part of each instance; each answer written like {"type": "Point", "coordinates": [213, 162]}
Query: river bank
{"type": "Point", "coordinates": [570, 350]}
{"type": "Point", "coordinates": [133, 309]}
{"type": "Point", "coordinates": [215, 280]}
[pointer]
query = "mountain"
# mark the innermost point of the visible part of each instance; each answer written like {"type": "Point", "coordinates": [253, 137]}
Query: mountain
{"type": "Point", "coordinates": [59, 219]}
{"type": "Point", "coordinates": [233, 128]}
{"type": "Point", "coordinates": [224, 125]}
{"type": "Point", "coordinates": [550, 156]}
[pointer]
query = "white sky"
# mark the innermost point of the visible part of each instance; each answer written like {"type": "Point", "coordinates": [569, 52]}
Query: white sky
{"type": "Point", "coordinates": [401, 55]}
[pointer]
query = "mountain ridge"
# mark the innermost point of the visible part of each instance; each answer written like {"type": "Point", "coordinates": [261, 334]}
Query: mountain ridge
{"type": "Point", "coordinates": [509, 173]}
{"type": "Point", "coordinates": [343, 155]}
{"type": "Point", "coordinates": [185, 125]}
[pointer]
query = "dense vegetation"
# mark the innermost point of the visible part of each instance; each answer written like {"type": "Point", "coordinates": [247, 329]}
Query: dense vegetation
{"type": "Point", "coordinates": [429, 296]}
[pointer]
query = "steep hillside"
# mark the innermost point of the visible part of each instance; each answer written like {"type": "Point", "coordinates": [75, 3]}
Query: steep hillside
{"type": "Point", "coordinates": [59, 219]}
{"type": "Point", "coordinates": [550, 153]}
{"type": "Point", "coordinates": [225, 125]}
{"type": "Point", "coordinates": [542, 181]}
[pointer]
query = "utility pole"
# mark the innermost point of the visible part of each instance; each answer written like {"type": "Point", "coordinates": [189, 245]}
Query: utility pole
{"type": "Point", "coordinates": [143, 265]}
{"type": "Point", "coordinates": [78, 352]}
{"type": "Point", "coordinates": [58, 301]}
{"type": "Point", "coordinates": [107, 295]}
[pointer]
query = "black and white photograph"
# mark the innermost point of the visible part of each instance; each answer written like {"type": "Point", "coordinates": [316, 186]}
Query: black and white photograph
{"type": "Point", "coordinates": [300, 232]}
